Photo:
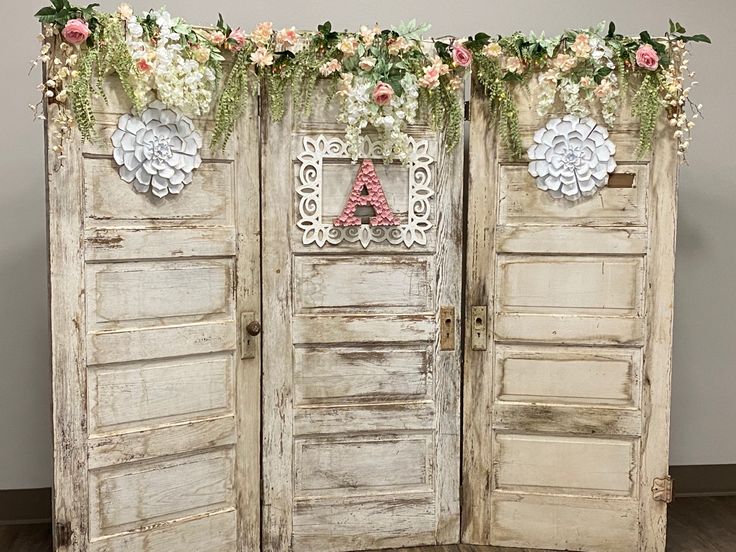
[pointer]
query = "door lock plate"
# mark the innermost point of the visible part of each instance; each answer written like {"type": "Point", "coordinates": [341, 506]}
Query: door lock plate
{"type": "Point", "coordinates": [249, 330]}
{"type": "Point", "coordinates": [447, 328]}
{"type": "Point", "coordinates": [478, 328]}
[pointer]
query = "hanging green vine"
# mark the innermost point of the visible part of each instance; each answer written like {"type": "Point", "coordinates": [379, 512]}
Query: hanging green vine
{"type": "Point", "coordinates": [114, 56]}
{"type": "Point", "coordinates": [647, 106]}
{"type": "Point", "coordinates": [81, 90]}
{"type": "Point", "coordinates": [234, 98]}
{"type": "Point", "coordinates": [488, 73]}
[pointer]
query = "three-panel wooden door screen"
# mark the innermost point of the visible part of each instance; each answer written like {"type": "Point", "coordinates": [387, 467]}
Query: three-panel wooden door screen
{"type": "Point", "coordinates": [495, 370]}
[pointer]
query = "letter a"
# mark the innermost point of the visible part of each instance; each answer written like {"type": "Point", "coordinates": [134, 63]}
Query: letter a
{"type": "Point", "coordinates": [367, 179]}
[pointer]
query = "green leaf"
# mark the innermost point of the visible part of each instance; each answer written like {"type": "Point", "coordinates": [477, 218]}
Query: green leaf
{"type": "Point", "coordinates": [611, 30]}
{"type": "Point", "coordinates": [45, 12]}
{"type": "Point", "coordinates": [441, 48]}
{"type": "Point", "coordinates": [645, 37]}
{"type": "Point", "coordinates": [697, 38]}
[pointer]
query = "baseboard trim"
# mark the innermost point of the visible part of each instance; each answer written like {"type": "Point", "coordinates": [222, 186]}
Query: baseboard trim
{"type": "Point", "coordinates": [705, 480]}
{"type": "Point", "coordinates": [21, 506]}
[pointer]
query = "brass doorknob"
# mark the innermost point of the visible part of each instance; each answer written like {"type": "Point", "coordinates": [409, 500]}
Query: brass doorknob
{"type": "Point", "coordinates": [253, 328]}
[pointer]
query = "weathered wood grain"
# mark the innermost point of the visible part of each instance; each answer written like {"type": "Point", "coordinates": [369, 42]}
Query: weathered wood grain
{"type": "Point", "coordinates": [361, 425]}
{"type": "Point", "coordinates": [65, 212]}
{"type": "Point", "coordinates": [156, 417]}
{"type": "Point", "coordinates": [482, 213]}
{"type": "Point", "coordinates": [561, 448]}
{"type": "Point", "coordinates": [657, 376]}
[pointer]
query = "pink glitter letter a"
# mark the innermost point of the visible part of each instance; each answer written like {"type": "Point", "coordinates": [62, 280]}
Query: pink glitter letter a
{"type": "Point", "coordinates": [368, 179]}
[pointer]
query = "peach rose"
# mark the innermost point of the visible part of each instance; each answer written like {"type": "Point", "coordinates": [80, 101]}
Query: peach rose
{"type": "Point", "coordinates": [431, 77]}
{"type": "Point", "coordinates": [647, 58]}
{"type": "Point", "coordinates": [262, 57]}
{"type": "Point", "coordinates": [514, 65]}
{"type": "Point", "coordinates": [217, 38]}
{"type": "Point", "coordinates": [367, 63]}
{"type": "Point", "coordinates": [382, 93]}
{"type": "Point", "coordinates": [397, 45]}
{"type": "Point", "coordinates": [262, 33]}
{"type": "Point", "coordinates": [75, 31]}
{"type": "Point", "coordinates": [461, 56]}
{"type": "Point", "coordinates": [287, 38]}
{"type": "Point", "coordinates": [581, 46]}
{"type": "Point", "coordinates": [329, 67]}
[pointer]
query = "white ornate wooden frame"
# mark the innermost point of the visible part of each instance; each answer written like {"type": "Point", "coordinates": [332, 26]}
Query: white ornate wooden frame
{"type": "Point", "coordinates": [309, 189]}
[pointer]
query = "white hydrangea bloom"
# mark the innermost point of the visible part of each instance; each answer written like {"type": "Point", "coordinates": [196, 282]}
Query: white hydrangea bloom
{"type": "Point", "coordinates": [359, 110]}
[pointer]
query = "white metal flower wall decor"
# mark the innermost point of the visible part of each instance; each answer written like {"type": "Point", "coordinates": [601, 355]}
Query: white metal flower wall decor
{"type": "Point", "coordinates": [571, 157]}
{"type": "Point", "coordinates": [158, 150]}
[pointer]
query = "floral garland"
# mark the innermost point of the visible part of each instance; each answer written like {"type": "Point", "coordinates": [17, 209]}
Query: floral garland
{"type": "Point", "coordinates": [589, 68]}
{"type": "Point", "coordinates": [384, 78]}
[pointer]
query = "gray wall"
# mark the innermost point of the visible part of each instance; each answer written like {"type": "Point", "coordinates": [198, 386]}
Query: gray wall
{"type": "Point", "coordinates": [704, 398]}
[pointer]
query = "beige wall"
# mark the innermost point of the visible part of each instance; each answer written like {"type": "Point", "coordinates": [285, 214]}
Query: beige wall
{"type": "Point", "coordinates": [704, 396]}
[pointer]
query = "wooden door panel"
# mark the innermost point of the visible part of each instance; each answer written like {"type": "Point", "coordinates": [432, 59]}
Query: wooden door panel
{"type": "Point", "coordinates": [564, 523]}
{"type": "Point", "coordinates": [565, 410]}
{"type": "Point", "coordinates": [361, 427]}
{"type": "Point", "coordinates": [355, 374]}
{"type": "Point", "coordinates": [552, 375]}
{"type": "Point", "coordinates": [344, 284]}
{"type": "Point", "coordinates": [519, 201]}
{"type": "Point", "coordinates": [156, 415]}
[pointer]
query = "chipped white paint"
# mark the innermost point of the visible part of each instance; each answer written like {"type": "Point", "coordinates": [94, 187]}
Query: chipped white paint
{"type": "Point", "coordinates": [156, 417]}
{"type": "Point", "coordinates": [361, 428]}
{"type": "Point", "coordinates": [567, 408]}
{"type": "Point", "coordinates": [316, 152]}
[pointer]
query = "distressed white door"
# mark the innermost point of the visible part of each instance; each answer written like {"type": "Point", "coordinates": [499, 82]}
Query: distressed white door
{"type": "Point", "coordinates": [156, 416]}
{"type": "Point", "coordinates": [566, 400]}
{"type": "Point", "coordinates": [361, 405]}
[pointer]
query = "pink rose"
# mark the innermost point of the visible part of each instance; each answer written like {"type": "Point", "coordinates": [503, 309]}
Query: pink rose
{"type": "Point", "coordinates": [383, 93]}
{"type": "Point", "coordinates": [647, 58]}
{"type": "Point", "coordinates": [239, 36]}
{"type": "Point", "coordinates": [461, 55]}
{"type": "Point", "coordinates": [75, 31]}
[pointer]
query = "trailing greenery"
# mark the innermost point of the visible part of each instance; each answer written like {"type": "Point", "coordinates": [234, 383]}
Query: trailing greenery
{"type": "Point", "coordinates": [488, 74]}
{"type": "Point", "coordinates": [115, 57]}
{"type": "Point", "coordinates": [81, 90]}
{"type": "Point", "coordinates": [647, 106]}
{"type": "Point", "coordinates": [234, 98]}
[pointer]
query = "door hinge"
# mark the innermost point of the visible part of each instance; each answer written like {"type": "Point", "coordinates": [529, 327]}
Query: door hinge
{"type": "Point", "coordinates": [63, 534]}
{"type": "Point", "coordinates": [466, 114]}
{"type": "Point", "coordinates": [662, 489]}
